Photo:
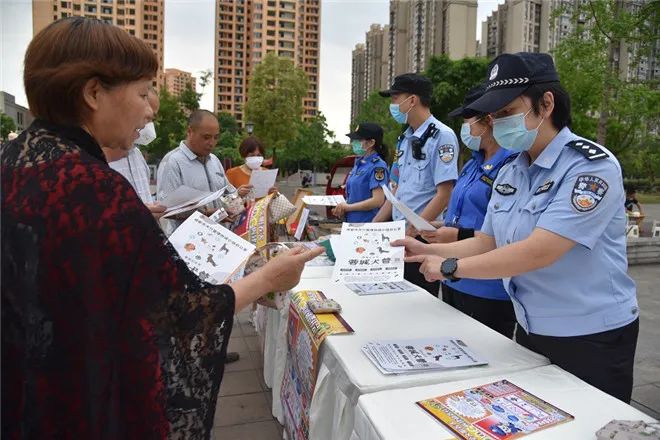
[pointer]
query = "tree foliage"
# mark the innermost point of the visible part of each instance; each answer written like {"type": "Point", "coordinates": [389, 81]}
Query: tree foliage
{"type": "Point", "coordinates": [7, 125]}
{"type": "Point", "coordinates": [609, 105]}
{"type": "Point", "coordinates": [376, 109]}
{"type": "Point", "coordinates": [274, 103]}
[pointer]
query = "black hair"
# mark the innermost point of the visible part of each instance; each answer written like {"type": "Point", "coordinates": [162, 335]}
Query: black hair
{"type": "Point", "coordinates": [561, 114]}
{"type": "Point", "coordinates": [382, 151]}
{"type": "Point", "coordinates": [196, 117]}
{"type": "Point", "coordinates": [424, 100]}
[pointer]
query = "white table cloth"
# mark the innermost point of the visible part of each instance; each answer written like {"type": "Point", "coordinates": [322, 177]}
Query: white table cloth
{"type": "Point", "coordinates": [393, 415]}
{"type": "Point", "coordinates": [345, 372]}
{"type": "Point", "coordinates": [275, 345]}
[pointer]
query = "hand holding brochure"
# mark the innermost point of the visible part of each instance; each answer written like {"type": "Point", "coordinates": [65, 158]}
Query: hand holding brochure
{"type": "Point", "coordinates": [185, 199]}
{"type": "Point", "coordinates": [211, 251]}
{"type": "Point", "coordinates": [262, 181]}
{"type": "Point", "coordinates": [418, 222]}
{"type": "Point", "coordinates": [364, 254]}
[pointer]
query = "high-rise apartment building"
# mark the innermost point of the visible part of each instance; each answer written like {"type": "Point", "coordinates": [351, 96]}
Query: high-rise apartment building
{"type": "Point", "coordinates": [141, 18]}
{"type": "Point", "coordinates": [534, 26]}
{"type": "Point", "coordinates": [246, 30]}
{"type": "Point", "coordinates": [358, 79]}
{"type": "Point", "coordinates": [420, 29]}
{"type": "Point", "coordinates": [177, 80]}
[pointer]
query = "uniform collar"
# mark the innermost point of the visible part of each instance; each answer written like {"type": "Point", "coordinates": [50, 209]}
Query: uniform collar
{"type": "Point", "coordinates": [368, 159]}
{"type": "Point", "coordinates": [492, 163]}
{"type": "Point", "coordinates": [551, 153]}
{"type": "Point", "coordinates": [421, 129]}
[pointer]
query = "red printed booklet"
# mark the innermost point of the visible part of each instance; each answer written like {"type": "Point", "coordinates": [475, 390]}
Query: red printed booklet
{"type": "Point", "coordinates": [496, 411]}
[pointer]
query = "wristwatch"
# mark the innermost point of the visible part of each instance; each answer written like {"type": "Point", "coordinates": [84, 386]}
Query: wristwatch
{"type": "Point", "coordinates": [448, 268]}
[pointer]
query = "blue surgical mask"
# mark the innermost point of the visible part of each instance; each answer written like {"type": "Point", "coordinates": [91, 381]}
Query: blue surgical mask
{"type": "Point", "coordinates": [357, 147]}
{"type": "Point", "coordinates": [397, 114]}
{"type": "Point", "coordinates": [512, 133]}
{"type": "Point", "coordinates": [472, 142]}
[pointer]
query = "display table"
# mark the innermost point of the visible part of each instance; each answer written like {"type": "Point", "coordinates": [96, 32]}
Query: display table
{"type": "Point", "coordinates": [393, 414]}
{"type": "Point", "coordinates": [345, 373]}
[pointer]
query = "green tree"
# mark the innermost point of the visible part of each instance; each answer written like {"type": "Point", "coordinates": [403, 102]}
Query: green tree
{"type": "Point", "coordinates": [274, 103]}
{"type": "Point", "coordinates": [608, 106]}
{"type": "Point", "coordinates": [7, 125]}
{"type": "Point", "coordinates": [377, 109]}
{"type": "Point", "coordinates": [230, 138]}
{"type": "Point", "coordinates": [170, 125]}
{"type": "Point", "coordinates": [451, 82]}
{"type": "Point", "coordinates": [310, 149]}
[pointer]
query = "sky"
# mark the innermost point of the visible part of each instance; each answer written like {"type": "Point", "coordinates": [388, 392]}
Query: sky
{"type": "Point", "coordinates": [189, 33]}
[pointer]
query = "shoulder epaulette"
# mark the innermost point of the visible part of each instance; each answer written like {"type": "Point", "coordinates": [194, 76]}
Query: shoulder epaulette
{"type": "Point", "coordinates": [588, 149]}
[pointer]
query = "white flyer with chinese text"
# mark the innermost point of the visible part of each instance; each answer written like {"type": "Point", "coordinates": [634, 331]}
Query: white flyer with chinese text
{"type": "Point", "coordinates": [324, 200]}
{"type": "Point", "coordinates": [211, 251]}
{"type": "Point", "coordinates": [415, 220]}
{"type": "Point", "coordinates": [364, 253]}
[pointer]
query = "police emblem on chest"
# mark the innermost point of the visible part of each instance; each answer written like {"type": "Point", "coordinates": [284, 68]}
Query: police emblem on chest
{"type": "Point", "coordinates": [505, 189]}
{"type": "Point", "coordinates": [544, 188]}
{"type": "Point", "coordinates": [379, 173]}
{"type": "Point", "coordinates": [446, 153]}
{"type": "Point", "coordinates": [588, 192]}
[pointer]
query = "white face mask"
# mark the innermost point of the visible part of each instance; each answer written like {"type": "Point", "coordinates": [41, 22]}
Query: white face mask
{"type": "Point", "coordinates": [254, 162]}
{"type": "Point", "coordinates": [147, 134]}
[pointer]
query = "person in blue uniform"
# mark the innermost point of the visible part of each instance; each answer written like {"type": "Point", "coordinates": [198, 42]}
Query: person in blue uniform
{"type": "Point", "coordinates": [425, 166]}
{"type": "Point", "coordinates": [554, 231]}
{"type": "Point", "coordinates": [364, 195]}
{"type": "Point", "coordinates": [484, 300]}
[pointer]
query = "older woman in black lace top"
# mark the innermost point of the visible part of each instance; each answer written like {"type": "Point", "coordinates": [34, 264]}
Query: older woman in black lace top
{"type": "Point", "coordinates": [105, 331]}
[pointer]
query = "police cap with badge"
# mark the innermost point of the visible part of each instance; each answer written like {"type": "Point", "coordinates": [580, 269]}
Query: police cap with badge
{"type": "Point", "coordinates": [411, 83]}
{"type": "Point", "coordinates": [510, 74]}
{"type": "Point", "coordinates": [367, 130]}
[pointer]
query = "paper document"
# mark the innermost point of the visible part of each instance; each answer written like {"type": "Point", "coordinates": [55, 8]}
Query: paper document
{"type": "Point", "coordinates": [415, 220]}
{"type": "Point", "coordinates": [211, 251]}
{"type": "Point", "coordinates": [185, 199]}
{"type": "Point", "coordinates": [262, 181]}
{"type": "Point", "coordinates": [409, 356]}
{"type": "Point", "coordinates": [302, 224]}
{"type": "Point", "coordinates": [324, 200]}
{"type": "Point", "coordinates": [364, 254]}
{"type": "Point", "coordinates": [381, 288]}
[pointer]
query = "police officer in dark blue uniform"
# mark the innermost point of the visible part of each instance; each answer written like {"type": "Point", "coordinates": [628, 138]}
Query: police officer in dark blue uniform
{"type": "Point", "coordinates": [364, 195]}
{"type": "Point", "coordinates": [554, 231]}
{"type": "Point", "coordinates": [484, 300]}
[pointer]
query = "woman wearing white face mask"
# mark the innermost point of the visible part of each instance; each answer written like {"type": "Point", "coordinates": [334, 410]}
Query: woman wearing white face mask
{"type": "Point", "coordinates": [252, 150]}
{"type": "Point", "coordinates": [484, 300]}
{"type": "Point", "coordinates": [554, 231]}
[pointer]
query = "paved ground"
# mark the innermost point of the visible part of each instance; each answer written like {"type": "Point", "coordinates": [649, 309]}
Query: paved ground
{"type": "Point", "coordinates": [244, 404]}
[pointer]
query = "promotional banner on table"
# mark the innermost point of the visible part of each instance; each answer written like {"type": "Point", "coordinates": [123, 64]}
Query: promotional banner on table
{"type": "Point", "coordinates": [305, 333]}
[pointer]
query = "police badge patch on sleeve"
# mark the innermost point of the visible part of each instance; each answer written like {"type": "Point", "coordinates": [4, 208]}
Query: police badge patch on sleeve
{"type": "Point", "coordinates": [588, 192]}
{"type": "Point", "coordinates": [446, 153]}
{"type": "Point", "coordinates": [379, 173]}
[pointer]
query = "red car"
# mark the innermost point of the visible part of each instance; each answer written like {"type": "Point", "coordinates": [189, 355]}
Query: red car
{"type": "Point", "coordinates": [338, 175]}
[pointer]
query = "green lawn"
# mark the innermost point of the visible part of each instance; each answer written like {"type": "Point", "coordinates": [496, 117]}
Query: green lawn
{"type": "Point", "coordinates": [648, 198]}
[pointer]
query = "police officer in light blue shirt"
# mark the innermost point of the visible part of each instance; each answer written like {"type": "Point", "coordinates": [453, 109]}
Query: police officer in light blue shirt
{"type": "Point", "coordinates": [425, 166]}
{"type": "Point", "coordinates": [364, 195]}
{"type": "Point", "coordinates": [554, 231]}
{"type": "Point", "coordinates": [484, 300]}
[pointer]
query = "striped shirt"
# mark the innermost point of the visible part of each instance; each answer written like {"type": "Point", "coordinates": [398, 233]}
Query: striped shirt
{"type": "Point", "coordinates": [135, 169]}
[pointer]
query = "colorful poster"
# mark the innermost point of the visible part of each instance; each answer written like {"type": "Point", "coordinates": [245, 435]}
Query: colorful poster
{"type": "Point", "coordinates": [211, 251]}
{"type": "Point", "coordinates": [496, 411]}
{"type": "Point", "coordinates": [364, 254]}
{"type": "Point", "coordinates": [253, 224]}
{"type": "Point", "coordinates": [305, 333]}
